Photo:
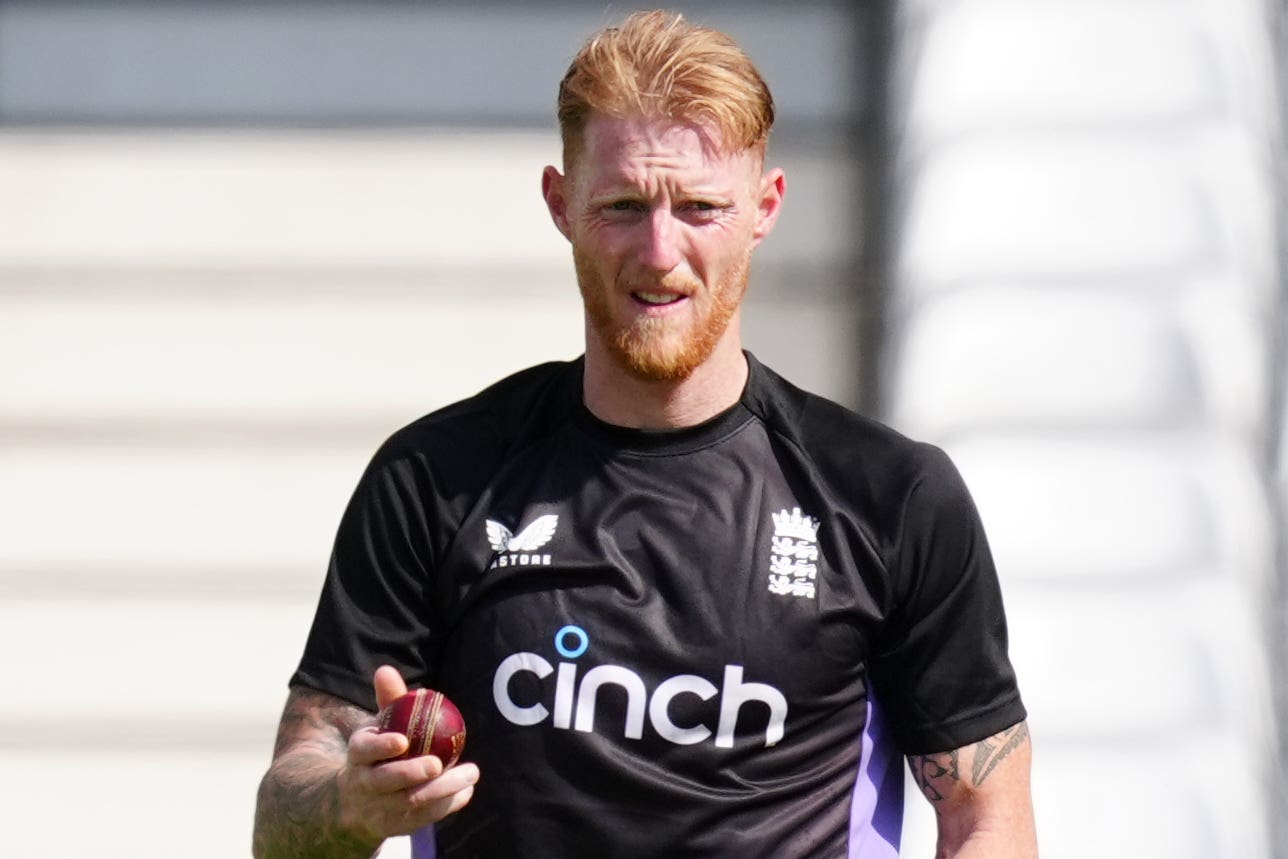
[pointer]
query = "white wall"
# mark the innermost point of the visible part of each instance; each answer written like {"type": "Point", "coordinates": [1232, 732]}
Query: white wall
{"type": "Point", "coordinates": [1085, 316]}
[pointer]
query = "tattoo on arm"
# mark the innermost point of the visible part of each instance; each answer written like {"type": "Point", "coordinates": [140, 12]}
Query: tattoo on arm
{"type": "Point", "coordinates": [298, 804]}
{"type": "Point", "coordinates": [928, 770]}
{"type": "Point", "coordinates": [990, 752]}
{"type": "Point", "coordinates": [316, 717]}
{"type": "Point", "coordinates": [939, 774]}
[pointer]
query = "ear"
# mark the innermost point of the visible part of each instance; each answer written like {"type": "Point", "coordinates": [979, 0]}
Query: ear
{"type": "Point", "coordinates": [772, 188]}
{"type": "Point", "coordinates": [554, 187]}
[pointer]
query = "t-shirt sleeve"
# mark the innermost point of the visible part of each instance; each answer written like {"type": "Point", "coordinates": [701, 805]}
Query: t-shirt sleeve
{"type": "Point", "coordinates": [372, 610]}
{"type": "Point", "coordinates": [942, 671]}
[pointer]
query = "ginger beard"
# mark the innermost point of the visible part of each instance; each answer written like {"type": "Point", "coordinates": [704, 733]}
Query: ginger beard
{"type": "Point", "coordinates": [659, 348]}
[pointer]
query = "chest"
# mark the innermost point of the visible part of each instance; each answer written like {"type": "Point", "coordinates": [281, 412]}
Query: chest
{"type": "Point", "coordinates": [654, 594]}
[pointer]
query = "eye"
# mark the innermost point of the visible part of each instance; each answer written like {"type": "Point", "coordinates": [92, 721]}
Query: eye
{"type": "Point", "coordinates": [701, 210]}
{"type": "Point", "coordinates": [625, 206]}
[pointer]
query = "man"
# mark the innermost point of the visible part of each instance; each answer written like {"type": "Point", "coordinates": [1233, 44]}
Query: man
{"type": "Point", "coordinates": [686, 608]}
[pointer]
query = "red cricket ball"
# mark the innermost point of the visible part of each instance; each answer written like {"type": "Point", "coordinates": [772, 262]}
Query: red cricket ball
{"type": "Point", "coordinates": [431, 723]}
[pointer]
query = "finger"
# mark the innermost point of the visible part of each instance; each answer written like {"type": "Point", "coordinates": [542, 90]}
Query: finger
{"type": "Point", "coordinates": [426, 810]}
{"type": "Point", "coordinates": [389, 686]}
{"type": "Point", "coordinates": [395, 776]}
{"type": "Point", "coordinates": [413, 819]}
{"type": "Point", "coordinates": [458, 801]}
{"type": "Point", "coordinates": [367, 746]}
{"type": "Point", "coordinates": [434, 810]}
{"type": "Point", "coordinates": [450, 783]}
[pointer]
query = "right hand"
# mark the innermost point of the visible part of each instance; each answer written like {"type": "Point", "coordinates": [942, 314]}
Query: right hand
{"type": "Point", "coordinates": [382, 798]}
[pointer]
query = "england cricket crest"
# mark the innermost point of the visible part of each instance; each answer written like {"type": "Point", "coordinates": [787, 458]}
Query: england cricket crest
{"type": "Point", "coordinates": [793, 556]}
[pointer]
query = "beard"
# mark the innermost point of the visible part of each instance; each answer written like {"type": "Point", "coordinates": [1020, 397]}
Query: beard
{"type": "Point", "coordinates": [660, 349]}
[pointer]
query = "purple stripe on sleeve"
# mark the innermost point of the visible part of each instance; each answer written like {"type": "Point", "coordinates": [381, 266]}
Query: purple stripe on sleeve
{"type": "Point", "coordinates": [876, 809]}
{"type": "Point", "coordinates": [423, 844]}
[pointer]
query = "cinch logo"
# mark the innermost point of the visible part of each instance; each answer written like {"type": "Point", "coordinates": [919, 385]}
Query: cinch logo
{"type": "Point", "coordinates": [518, 550]}
{"type": "Point", "coordinates": [574, 700]}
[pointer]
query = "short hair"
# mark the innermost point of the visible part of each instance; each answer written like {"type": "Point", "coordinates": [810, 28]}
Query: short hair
{"type": "Point", "coordinates": [656, 64]}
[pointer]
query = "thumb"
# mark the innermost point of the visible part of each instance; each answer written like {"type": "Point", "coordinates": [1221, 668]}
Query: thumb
{"type": "Point", "coordinates": [389, 685]}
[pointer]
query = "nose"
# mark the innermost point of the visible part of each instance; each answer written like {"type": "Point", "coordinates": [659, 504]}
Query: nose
{"type": "Point", "coordinates": [661, 251]}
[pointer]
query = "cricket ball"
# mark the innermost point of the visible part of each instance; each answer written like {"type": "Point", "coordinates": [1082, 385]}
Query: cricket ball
{"type": "Point", "coordinates": [430, 722]}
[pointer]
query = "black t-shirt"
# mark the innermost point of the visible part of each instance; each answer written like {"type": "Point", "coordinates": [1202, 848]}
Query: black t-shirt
{"type": "Point", "coordinates": [712, 641]}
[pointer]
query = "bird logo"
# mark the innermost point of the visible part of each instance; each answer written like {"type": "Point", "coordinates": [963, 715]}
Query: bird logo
{"type": "Point", "coordinates": [539, 532]}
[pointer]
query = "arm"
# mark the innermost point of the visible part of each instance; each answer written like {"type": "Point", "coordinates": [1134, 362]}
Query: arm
{"type": "Point", "coordinates": [981, 797]}
{"type": "Point", "coordinates": [331, 792]}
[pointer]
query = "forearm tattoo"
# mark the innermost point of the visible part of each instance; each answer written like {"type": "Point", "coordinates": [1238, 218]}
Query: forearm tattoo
{"type": "Point", "coordinates": [297, 812]}
{"type": "Point", "coordinates": [939, 774]}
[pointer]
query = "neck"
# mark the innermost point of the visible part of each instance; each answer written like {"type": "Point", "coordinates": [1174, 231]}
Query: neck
{"type": "Point", "coordinates": [619, 397]}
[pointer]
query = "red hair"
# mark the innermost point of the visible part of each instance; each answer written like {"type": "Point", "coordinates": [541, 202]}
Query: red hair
{"type": "Point", "coordinates": [656, 64]}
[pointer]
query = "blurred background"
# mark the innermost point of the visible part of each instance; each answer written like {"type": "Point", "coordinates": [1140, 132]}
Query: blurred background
{"type": "Point", "coordinates": [240, 243]}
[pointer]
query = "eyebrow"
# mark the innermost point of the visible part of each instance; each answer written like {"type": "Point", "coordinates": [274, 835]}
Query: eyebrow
{"type": "Point", "coordinates": [630, 189]}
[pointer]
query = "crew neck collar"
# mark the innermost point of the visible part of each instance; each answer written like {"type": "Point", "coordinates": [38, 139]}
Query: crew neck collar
{"type": "Point", "coordinates": [671, 440]}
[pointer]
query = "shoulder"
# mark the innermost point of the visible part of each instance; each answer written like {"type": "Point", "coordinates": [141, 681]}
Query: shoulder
{"type": "Point", "coordinates": [862, 451]}
{"type": "Point", "coordinates": [483, 429]}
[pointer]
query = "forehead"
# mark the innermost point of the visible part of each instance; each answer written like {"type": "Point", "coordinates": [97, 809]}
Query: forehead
{"type": "Point", "coordinates": [634, 149]}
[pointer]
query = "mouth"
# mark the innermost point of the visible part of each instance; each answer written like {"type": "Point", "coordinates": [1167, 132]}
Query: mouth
{"type": "Point", "coordinates": [658, 299]}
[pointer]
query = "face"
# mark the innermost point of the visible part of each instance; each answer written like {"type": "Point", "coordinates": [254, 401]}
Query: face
{"type": "Point", "coordinates": [662, 223]}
